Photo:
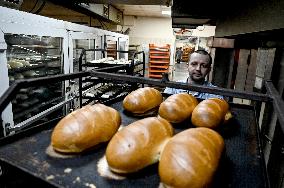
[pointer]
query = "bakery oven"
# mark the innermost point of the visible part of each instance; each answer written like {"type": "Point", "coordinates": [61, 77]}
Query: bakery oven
{"type": "Point", "coordinates": [30, 50]}
{"type": "Point", "coordinates": [33, 46]}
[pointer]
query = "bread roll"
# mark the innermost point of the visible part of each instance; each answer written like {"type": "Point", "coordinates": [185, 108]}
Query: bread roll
{"type": "Point", "coordinates": [142, 100]}
{"type": "Point", "coordinates": [210, 113]}
{"type": "Point", "coordinates": [138, 144]}
{"type": "Point", "coordinates": [178, 107]}
{"type": "Point", "coordinates": [15, 64]}
{"type": "Point", "coordinates": [85, 128]}
{"type": "Point", "coordinates": [190, 158]}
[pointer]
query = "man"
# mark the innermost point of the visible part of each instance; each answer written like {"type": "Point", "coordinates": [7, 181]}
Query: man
{"type": "Point", "coordinates": [199, 66]}
{"type": "Point", "coordinates": [178, 55]}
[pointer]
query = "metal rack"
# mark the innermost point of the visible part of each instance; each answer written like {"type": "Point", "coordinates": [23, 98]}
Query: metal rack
{"type": "Point", "coordinates": [35, 98]}
{"type": "Point", "coordinates": [32, 56]}
{"type": "Point", "coordinates": [109, 90]}
{"type": "Point", "coordinates": [242, 165]}
{"type": "Point", "coordinates": [159, 60]}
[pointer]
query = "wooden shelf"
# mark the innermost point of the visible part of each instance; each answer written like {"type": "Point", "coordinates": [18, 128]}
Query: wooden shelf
{"type": "Point", "coordinates": [157, 71]}
{"type": "Point", "coordinates": [159, 52]}
{"type": "Point", "coordinates": [112, 48]}
{"type": "Point", "coordinates": [155, 76]}
{"type": "Point", "coordinates": [159, 66]}
{"type": "Point", "coordinates": [113, 53]}
{"type": "Point", "coordinates": [159, 48]}
{"type": "Point", "coordinates": [159, 57]}
{"type": "Point", "coordinates": [159, 60]}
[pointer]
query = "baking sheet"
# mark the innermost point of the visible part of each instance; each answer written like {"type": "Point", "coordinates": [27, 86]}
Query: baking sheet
{"type": "Point", "coordinates": [241, 165]}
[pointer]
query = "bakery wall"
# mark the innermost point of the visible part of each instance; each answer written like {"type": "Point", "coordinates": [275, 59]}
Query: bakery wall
{"type": "Point", "coordinates": [150, 30]}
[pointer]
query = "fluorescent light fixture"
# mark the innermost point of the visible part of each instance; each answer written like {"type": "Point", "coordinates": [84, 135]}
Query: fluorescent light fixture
{"type": "Point", "coordinates": [166, 12]}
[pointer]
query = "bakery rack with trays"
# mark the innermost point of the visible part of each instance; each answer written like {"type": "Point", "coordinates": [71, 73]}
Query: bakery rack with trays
{"type": "Point", "coordinates": [32, 57]}
{"type": "Point", "coordinates": [23, 105]}
{"type": "Point", "coordinates": [93, 89]}
{"type": "Point", "coordinates": [23, 155]}
{"type": "Point", "coordinates": [159, 60]}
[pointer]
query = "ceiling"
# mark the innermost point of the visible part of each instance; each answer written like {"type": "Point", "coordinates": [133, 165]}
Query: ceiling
{"type": "Point", "coordinates": [143, 10]}
{"type": "Point", "coordinates": [150, 8]}
{"type": "Point", "coordinates": [132, 2]}
{"type": "Point", "coordinates": [185, 14]}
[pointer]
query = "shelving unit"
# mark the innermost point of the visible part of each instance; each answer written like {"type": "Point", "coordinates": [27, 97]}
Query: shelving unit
{"type": "Point", "coordinates": [186, 52]}
{"type": "Point", "coordinates": [112, 49]}
{"type": "Point", "coordinates": [33, 57]}
{"type": "Point", "coordinates": [159, 60]}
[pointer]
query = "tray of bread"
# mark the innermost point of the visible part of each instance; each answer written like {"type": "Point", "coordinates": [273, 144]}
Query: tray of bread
{"type": "Point", "coordinates": [145, 140]}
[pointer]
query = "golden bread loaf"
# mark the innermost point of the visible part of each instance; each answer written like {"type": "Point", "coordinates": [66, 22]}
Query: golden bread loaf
{"type": "Point", "coordinates": [210, 113]}
{"type": "Point", "coordinates": [138, 145]}
{"type": "Point", "coordinates": [85, 128]}
{"type": "Point", "coordinates": [142, 100]}
{"type": "Point", "coordinates": [178, 107]}
{"type": "Point", "coordinates": [190, 158]}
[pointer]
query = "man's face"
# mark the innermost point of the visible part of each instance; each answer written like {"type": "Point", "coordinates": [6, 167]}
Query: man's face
{"type": "Point", "coordinates": [198, 67]}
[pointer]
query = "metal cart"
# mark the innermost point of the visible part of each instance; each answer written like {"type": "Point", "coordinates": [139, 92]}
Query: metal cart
{"type": "Point", "coordinates": [24, 153]}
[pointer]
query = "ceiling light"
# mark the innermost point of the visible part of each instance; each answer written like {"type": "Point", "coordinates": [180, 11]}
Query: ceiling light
{"type": "Point", "coordinates": [166, 12]}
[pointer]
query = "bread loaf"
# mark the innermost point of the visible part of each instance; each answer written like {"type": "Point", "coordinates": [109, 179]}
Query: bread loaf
{"type": "Point", "coordinates": [85, 128]}
{"type": "Point", "coordinates": [138, 144]}
{"type": "Point", "coordinates": [178, 107]}
{"type": "Point", "coordinates": [142, 100]}
{"type": "Point", "coordinates": [190, 158]}
{"type": "Point", "coordinates": [210, 113]}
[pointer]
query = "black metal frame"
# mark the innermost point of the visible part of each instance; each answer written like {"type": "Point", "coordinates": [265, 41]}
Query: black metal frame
{"type": "Point", "coordinates": [271, 96]}
{"type": "Point", "coordinates": [11, 92]}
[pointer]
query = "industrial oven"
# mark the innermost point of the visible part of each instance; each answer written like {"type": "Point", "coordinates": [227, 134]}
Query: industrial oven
{"type": "Point", "coordinates": [24, 159]}
{"type": "Point", "coordinates": [33, 46]}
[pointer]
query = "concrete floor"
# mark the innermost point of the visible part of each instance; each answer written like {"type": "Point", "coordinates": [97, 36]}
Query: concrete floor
{"type": "Point", "coordinates": [180, 71]}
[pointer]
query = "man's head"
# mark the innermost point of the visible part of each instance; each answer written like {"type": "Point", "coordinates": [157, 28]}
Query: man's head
{"type": "Point", "coordinates": [199, 66]}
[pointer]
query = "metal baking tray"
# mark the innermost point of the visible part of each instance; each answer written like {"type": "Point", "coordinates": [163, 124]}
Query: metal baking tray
{"type": "Point", "coordinates": [241, 166]}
